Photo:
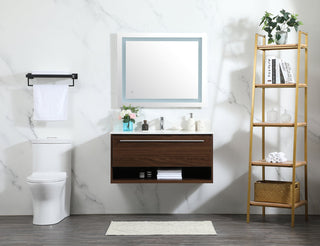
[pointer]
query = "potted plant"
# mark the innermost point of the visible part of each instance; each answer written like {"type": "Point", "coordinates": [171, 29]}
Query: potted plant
{"type": "Point", "coordinates": [128, 114]}
{"type": "Point", "coordinates": [281, 23]}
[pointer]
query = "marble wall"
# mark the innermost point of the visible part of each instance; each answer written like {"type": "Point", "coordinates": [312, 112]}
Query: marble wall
{"type": "Point", "coordinates": [78, 36]}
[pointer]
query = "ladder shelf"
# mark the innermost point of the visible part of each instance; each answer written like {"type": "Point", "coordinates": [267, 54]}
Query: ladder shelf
{"type": "Point", "coordinates": [293, 164]}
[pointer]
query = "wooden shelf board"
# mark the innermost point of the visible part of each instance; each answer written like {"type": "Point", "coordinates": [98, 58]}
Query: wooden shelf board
{"type": "Point", "coordinates": [161, 181]}
{"type": "Point", "coordinates": [281, 47]}
{"type": "Point", "coordinates": [268, 124]}
{"type": "Point", "coordinates": [278, 205]}
{"type": "Point", "coordinates": [287, 85]}
{"type": "Point", "coordinates": [281, 164]}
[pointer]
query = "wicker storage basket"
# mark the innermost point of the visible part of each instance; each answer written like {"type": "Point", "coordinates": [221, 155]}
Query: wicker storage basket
{"type": "Point", "coordinates": [275, 191]}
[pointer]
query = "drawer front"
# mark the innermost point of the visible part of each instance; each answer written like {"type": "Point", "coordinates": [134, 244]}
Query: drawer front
{"type": "Point", "coordinates": [161, 150]}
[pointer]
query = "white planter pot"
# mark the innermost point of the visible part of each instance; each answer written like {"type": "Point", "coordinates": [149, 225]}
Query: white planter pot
{"type": "Point", "coordinates": [281, 37]}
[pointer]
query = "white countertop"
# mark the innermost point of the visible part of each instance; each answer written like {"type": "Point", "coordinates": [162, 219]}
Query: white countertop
{"type": "Point", "coordinates": [162, 132]}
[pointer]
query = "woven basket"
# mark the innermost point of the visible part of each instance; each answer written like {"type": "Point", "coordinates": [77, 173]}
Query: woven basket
{"type": "Point", "coordinates": [275, 191]}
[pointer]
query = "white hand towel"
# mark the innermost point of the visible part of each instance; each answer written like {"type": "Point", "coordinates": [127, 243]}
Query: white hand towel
{"type": "Point", "coordinates": [50, 102]}
{"type": "Point", "coordinates": [276, 157]}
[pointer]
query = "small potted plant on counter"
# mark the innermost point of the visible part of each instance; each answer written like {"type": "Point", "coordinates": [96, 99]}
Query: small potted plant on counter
{"type": "Point", "coordinates": [128, 114]}
{"type": "Point", "coordinates": [281, 24]}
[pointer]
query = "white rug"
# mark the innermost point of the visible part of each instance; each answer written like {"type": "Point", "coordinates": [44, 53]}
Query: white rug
{"type": "Point", "coordinates": [118, 228]}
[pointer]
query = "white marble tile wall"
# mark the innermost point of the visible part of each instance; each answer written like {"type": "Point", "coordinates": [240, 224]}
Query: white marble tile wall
{"type": "Point", "coordinates": [77, 36]}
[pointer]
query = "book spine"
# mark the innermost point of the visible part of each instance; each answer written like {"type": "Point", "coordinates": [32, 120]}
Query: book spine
{"type": "Point", "coordinates": [277, 71]}
{"type": "Point", "coordinates": [283, 70]}
{"type": "Point", "coordinates": [274, 77]}
{"type": "Point", "coordinates": [290, 74]}
{"type": "Point", "coordinates": [268, 70]}
{"type": "Point", "coordinates": [282, 80]}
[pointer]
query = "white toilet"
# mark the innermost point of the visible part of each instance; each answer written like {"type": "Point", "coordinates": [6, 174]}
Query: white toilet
{"type": "Point", "coordinates": [50, 182]}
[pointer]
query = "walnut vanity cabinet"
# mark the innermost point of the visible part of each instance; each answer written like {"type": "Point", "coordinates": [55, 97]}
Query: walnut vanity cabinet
{"type": "Point", "coordinates": [133, 153]}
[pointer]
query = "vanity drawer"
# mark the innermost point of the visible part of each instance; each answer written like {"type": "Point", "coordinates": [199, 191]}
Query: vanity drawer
{"type": "Point", "coordinates": [161, 150]}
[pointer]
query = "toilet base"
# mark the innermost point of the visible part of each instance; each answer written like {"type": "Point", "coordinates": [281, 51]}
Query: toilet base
{"type": "Point", "coordinates": [40, 221]}
{"type": "Point", "coordinates": [49, 203]}
{"type": "Point", "coordinates": [48, 213]}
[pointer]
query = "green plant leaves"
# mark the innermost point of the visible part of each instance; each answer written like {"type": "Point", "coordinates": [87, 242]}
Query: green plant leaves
{"type": "Point", "coordinates": [282, 22]}
{"type": "Point", "coordinates": [270, 40]}
{"type": "Point", "coordinates": [280, 19]}
{"type": "Point", "coordinates": [126, 119]}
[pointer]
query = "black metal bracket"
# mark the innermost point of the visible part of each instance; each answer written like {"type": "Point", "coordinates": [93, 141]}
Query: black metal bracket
{"type": "Point", "coordinates": [73, 76]}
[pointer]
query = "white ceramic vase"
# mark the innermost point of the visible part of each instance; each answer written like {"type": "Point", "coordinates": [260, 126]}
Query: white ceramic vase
{"type": "Point", "coordinates": [281, 37]}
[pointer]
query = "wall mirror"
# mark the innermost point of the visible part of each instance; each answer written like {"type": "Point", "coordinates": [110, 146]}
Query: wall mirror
{"type": "Point", "coordinates": [162, 70]}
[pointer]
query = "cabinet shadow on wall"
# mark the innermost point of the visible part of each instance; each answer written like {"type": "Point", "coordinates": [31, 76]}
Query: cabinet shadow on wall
{"type": "Point", "coordinates": [90, 176]}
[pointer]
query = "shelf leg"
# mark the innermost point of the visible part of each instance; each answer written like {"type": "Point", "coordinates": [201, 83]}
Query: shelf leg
{"type": "Point", "coordinates": [292, 217]}
{"type": "Point", "coordinates": [263, 178]}
{"type": "Point", "coordinates": [249, 192]}
{"type": "Point", "coordinates": [263, 120]}
{"type": "Point", "coordinates": [306, 191]}
{"type": "Point", "coordinates": [306, 128]}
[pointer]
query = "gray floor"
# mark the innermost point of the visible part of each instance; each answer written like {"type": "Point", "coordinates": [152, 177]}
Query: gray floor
{"type": "Point", "coordinates": [231, 230]}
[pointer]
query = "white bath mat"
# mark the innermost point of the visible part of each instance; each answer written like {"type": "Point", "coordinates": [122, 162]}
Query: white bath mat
{"type": "Point", "coordinates": [127, 228]}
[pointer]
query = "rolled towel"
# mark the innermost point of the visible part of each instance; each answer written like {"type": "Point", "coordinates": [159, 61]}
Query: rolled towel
{"type": "Point", "coordinates": [283, 159]}
{"type": "Point", "coordinates": [281, 154]}
{"type": "Point", "coordinates": [277, 160]}
{"type": "Point", "coordinates": [273, 154]}
{"type": "Point", "coordinates": [276, 157]}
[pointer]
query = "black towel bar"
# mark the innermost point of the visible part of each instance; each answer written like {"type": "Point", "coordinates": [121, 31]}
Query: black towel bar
{"type": "Point", "coordinates": [73, 76]}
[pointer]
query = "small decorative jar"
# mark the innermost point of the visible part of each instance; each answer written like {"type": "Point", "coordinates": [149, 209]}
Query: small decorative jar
{"type": "Point", "coordinates": [128, 126]}
{"type": "Point", "coordinates": [285, 117]}
{"type": "Point", "coordinates": [145, 126]}
{"type": "Point", "coordinates": [142, 174]}
{"type": "Point", "coordinates": [272, 115]}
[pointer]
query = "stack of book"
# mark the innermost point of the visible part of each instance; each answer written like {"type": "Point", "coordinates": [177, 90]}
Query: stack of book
{"type": "Point", "coordinates": [278, 71]}
{"type": "Point", "coordinates": [169, 174]}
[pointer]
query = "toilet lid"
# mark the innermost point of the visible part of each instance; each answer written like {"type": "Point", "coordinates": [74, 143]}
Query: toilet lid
{"type": "Point", "coordinates": [40, 177]}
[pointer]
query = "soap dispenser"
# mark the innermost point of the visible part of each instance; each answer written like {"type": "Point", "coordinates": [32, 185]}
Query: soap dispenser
{"type": "Point", "coordinates": [145, 126]}
{"type": "Point", "coordinates": [191, 126]}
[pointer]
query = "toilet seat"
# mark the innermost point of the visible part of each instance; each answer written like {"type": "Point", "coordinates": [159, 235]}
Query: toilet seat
{"type": "Point", "coordinates": [47, 177]}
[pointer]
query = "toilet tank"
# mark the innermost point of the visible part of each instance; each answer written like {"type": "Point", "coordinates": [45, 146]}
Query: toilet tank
{"type": "Point", "coordinates": [52, 155]}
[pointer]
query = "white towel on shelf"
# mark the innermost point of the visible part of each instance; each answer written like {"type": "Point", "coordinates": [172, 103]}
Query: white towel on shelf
{"type": "Point", "coordinates": [50, 102]}
{"type": "Point", "coordinates": [276, 157]}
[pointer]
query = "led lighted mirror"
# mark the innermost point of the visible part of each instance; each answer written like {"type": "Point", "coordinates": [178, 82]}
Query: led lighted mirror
{"type": "Point", "coordinates": [162, 70]}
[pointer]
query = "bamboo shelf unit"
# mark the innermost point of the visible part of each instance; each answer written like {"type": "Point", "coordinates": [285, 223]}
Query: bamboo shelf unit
{"type": "Point", "coordinates": [294, 163]}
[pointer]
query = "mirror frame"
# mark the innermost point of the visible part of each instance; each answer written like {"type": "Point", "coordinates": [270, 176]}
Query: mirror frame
{"type": "Point", "coordinates": [200, 38]}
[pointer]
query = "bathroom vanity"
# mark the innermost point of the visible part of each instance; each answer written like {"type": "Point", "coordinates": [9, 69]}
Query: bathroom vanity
{"type": "Point", "coordinates": [134, 153]}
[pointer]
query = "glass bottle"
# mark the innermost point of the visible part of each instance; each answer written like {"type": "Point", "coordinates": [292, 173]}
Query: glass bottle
{"type": "Point", "coordinates": [272, 115]}
{"type": "Point", "coordinates": [145, 126]}
{"type": "Point", "coordinates": [285, 117]}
